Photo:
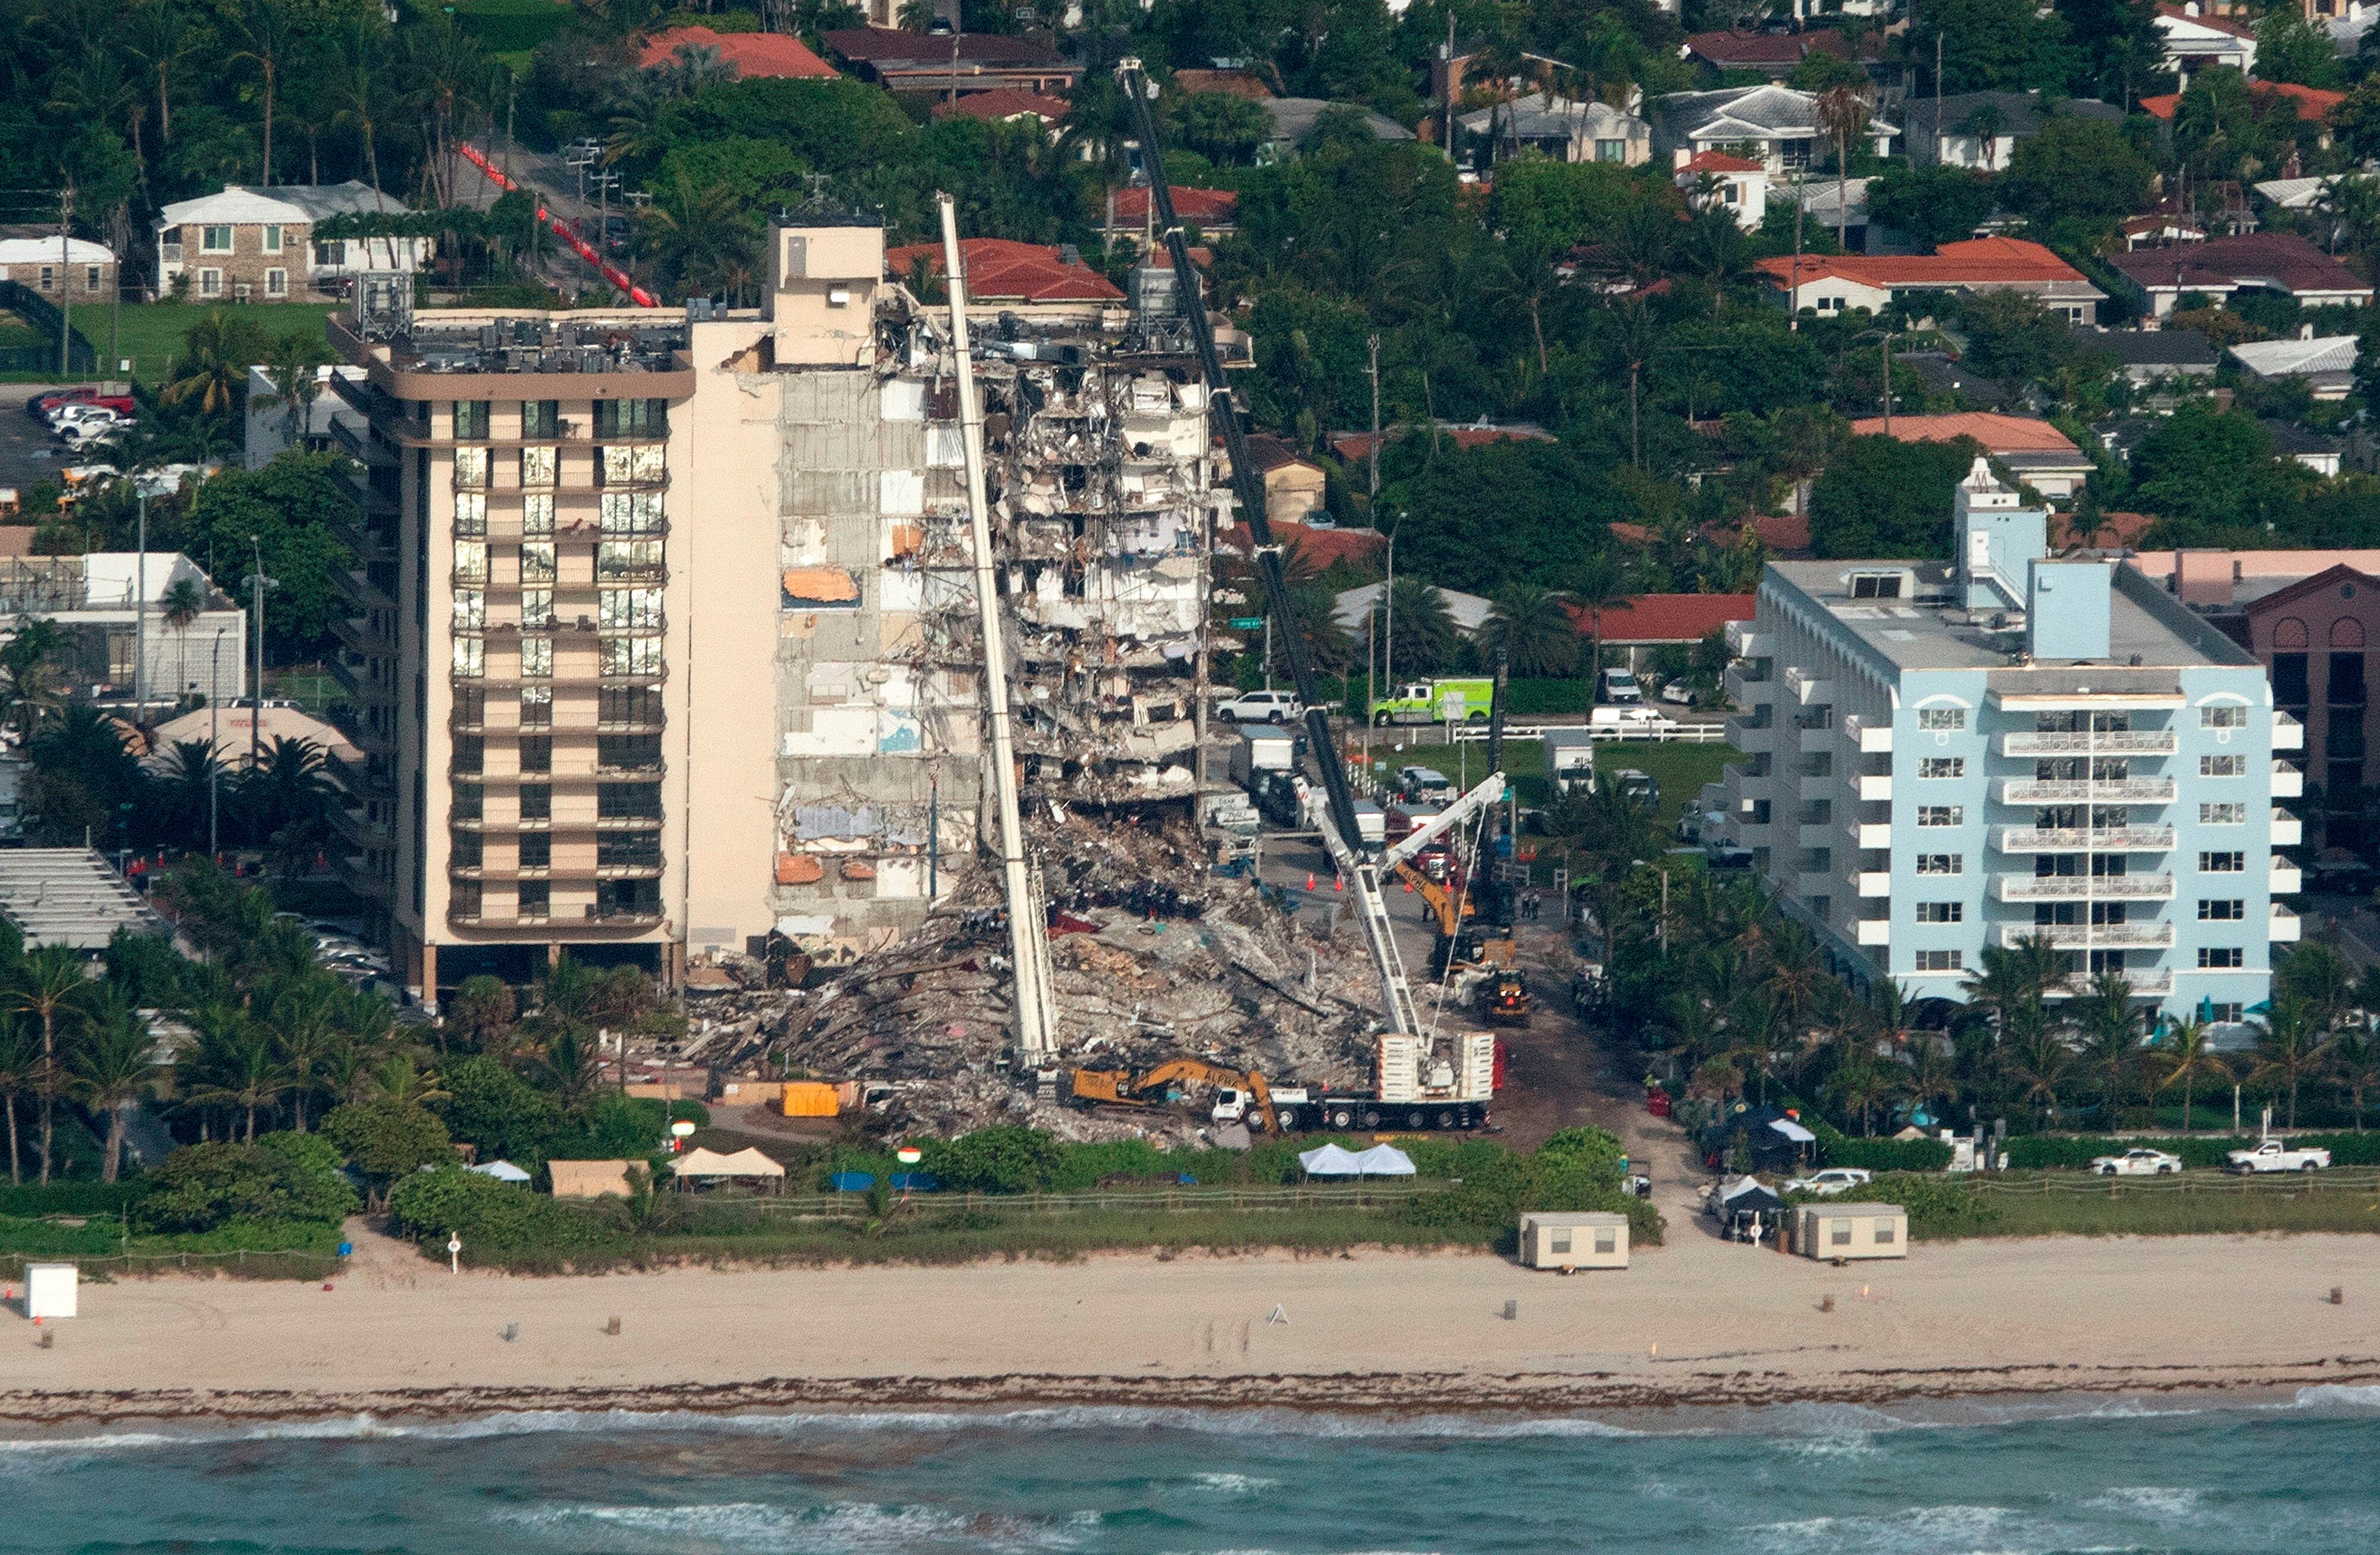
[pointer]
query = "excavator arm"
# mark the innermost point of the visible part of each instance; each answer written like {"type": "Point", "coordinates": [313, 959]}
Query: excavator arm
{"type": "Point", "coordinates": [1440, 900]}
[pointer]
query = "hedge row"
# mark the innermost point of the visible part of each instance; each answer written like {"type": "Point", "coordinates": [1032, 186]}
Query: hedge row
{"type": "Point", "coordinates": [1838, 1148]}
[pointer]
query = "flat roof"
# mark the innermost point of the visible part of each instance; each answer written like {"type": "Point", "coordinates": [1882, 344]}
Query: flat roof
{"type": "Point", "coordinates": [1929, 632]}
{"type": "Point", "coordinates": [69, 896]}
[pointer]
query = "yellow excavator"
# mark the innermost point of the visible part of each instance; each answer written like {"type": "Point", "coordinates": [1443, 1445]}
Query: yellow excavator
{"type": "Point", "coordinates": [1165, 1084]}
{"type": "Point", "coordinates": [1444, 903]}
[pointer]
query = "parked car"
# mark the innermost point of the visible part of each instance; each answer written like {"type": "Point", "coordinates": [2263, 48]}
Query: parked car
{"type": "Point", "coordinates": [2274, 1156]}
{"type": "Point", "coordinates": [80, 435]}
{"type": "Point", "coordinates": [1263, 707]}
{"type": "Point", "coordinates": [43, 406]}
{"type": "Point", "coordinates": [2141, 1162]}
{"type": "Point", "coordinates": [1678, 691]}
{"type": "Point", "coordinates": [1832, 1181]}
{"type": "Point", "coordinates": [85, 410]}
{"type": "Point", "coordinates": [1425, 786]}
{"type": "Point", "coordinates": [1643, 787]}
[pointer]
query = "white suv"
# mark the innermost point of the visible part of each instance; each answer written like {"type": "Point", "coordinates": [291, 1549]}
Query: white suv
{"type": "Point", "coordinates": [1263, 707]}
{"type": "Point", "coordinates": [1832, 1181]}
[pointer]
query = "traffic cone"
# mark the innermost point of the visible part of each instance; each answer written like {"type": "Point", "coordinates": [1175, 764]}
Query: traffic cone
{"type": "Point", "coordinates": [1310, 879]}
{"type": "Point", "coordinates": [1408, 888]}
{"type": "Point", "coordinates": [1338, 882]}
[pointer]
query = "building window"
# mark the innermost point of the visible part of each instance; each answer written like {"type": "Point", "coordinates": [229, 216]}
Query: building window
{"type": "Point", "coordinates": [536, 898]}
{"type": "Point", "coordinates": [629, 850]}
{"type": "Point", "coordinates": [628, 800]}
{"type": "Point", "coordinates": [470, 418]}
{"type": "Point", "coordinates": [537, 850]}
{"type": "Point", "coordinates": [211, 282]}
{"type": "Point", "coordinates": [91, 277]}
{"type": "Point", "coordinates": [276, 283]}
{"type": "Point", "coordinates": [1940, 960]}
{"type": "Point", "coordinates": [2225, 1013]}
{"type": "Point", "coordinates": [632, 417]}
{"type": "Point", "coordinates": [537, 561]}
{"type": "Point", "coordinates": [537, 658]}
{"type": "Point", "coordinates": [537, 515]}
{"type": "Point", "coordinates": [471, 515]}
{"type": "Point", "coordinates": [634, 464]}
{"type": "Point", "coordinates": [331, 254]}
{"type": "Point", "coordinates": [470, 470]}
{"type": "Point", "coordinates": [470, 610]}
{"type": "Point", "coordinates": [272, 239]}
{"type": "Point", "coordinates": [470, 754]}
{"type": "Point", "coordinates": [2290, 680]}
{"type": "Point", "coordinates": [1884, 1231]}
{"type": "Point", "coordinates": [631, 515]}
{"type": "Point", "coordinates": [537, 801]}
{"type": "Point", "coordinates": [2228, 715]}
{"type": "Point", "coordinates": [214, 240]}
{"type": "Point", "coordinates": [471, 561]}
{"type": "Point", "coordinates": [628, 558]}
{"type": "Point", "coordinates": [537, 706]}
{"type": "Point", "coordinates": [1941, 912]}
{"type": "Point", "coordinates": [2219, 958]}
{"type": "Point", "coordinates": [1941, 815]}
{"type": "Point", "coordinates": [1941, 718]}
{"type": "Point", "coordinates": [630, 656]}
{"type": "Point", "coordinates": [1942, 767]}
{"type": "Point", "coordinates": [2222, 863]}
{"type": "Point", "coordinates": [1611, 150]}
{"type": "Point", "coordinates": [470, 708]}
{"type": "Point", "coordinates": [627, 707]}
{"type": "Point", "coordinates": [471, 657]}
{"type": "Point", "coordinates": [629, 608]}
{"type": "Point", "coordinates": [536, 753]}
{"type": "Point", "coordinates": [1875, 586]}
{"type": "Point", "coordinates": [2217, 910]}
{"type": "Point", "coordinates": [2346, 681]}
{"type": "Point", "coordinates": [466, 899]}
{"type": "Point", "coordinates": [1941, 863]}
{"type": "Point", "coordinates": [540, 417]}
{"type": "Point", "coordinates": [471, 801]}
{"type": "Point", "coordinates": [537, 608]}
{"type": "Point", "coordinates": [536, 465]}
{"type": "Point", "coordinates": [466, 850]}
{"type": "Point", "coordinates": [2222, 815]}
{"type": "Point", "coordinates": [2222, 766]}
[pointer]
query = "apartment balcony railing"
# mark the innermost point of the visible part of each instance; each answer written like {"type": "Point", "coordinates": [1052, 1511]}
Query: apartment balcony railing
{"type": "Point", "coordinates": [2090, 936]}
{"type": "Point", "coordinates": [2077, 790]}
{"type": "Point", "coordinates": [2084, 839]}
{"type": "Point", "coordinates": [1744, 642]}
{"type": "Point", "coordinates": [2287, 830]}
{"type": "Point", "coordinates": [1874, 930]}
{"type": "Point", "coordinates": [2287, 733]}
{"type": "Point", "coordinates": [1871, 737]}
{"type": "Point", "coordinates": [2286, 878]}
{"type": "Point", "coordinates": [2286, 927]}
{"type": "Point", "coordinates": [2098, 742]}
{"type": "Point", "coordinates": [1744, 686]}
{"type": "Point", "coordinates": [1807, 686]}
{"type": "Point", "coordinates": [2146, 984]}
{"type": "Point", "coordinates": [2289, 781]}
{"type": "Point", "coordinates": [2083, 888]}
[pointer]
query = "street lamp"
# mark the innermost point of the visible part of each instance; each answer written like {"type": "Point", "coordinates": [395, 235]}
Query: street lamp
{"type": "Point", "coordinates": [258, 583]}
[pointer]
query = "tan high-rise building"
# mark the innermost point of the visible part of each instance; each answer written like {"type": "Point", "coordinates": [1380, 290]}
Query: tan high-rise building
{"type": "Point", "coordinates": [664, 639]}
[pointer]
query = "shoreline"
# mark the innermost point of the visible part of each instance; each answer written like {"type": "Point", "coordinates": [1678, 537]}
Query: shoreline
{"type": "Point", "coordinates": [1387, 1397]}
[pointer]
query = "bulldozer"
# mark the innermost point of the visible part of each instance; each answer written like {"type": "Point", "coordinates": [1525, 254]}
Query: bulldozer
{"type": "Point", "coordinates": [1165, 1084]}
{"type": "Point", "coordinates": [1508, 999]}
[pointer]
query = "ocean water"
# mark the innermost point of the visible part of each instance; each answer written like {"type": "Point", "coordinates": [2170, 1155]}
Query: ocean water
{"type": "Point", "coordinates": [2301, 1475]}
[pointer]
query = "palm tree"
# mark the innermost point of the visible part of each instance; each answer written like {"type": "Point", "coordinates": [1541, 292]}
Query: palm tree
{"type": "Point", "coordinates": [2038, 1065]}
{"type": "Point", "coordinates": [2354, 1062]}
{"type": "Point", "coordinates": [238, 1065]}
{"type": "Point", "coordinates": [2187, 1054]}
{"type": "Point", "coordinates": [1933, 1073]}
{"type": "Point", "coordinates": [572, 1067]}
{"type": "Point", "coordinates": [400, 1077]}
{"type": "Point", "coordinates": [2111, 1032]}
{"type": "Point", "coordinates": [114, 1068]}
{"type": "Point", "coordinates": [162, 39]}
{"type": "Point", "coordinates": [1860, 1085]}
{"type": "Point", "coordinates": [2291, 1045]}
{"type": "Point", "coordinates": [216, 354]}
{"type": "Point", "coordinates": [1984, 126]}
{"type": "Point", "coordinates": [294, 361]}
{"type": "Point", "coordinates": [1842, 117]}
{"type": "Point", "coordinates": [1528, 625]}
{"type": "Point", "coordinates": [2004, 984]}
{"type": "Point", "coordinates": [1599, 582]}
{"type": "Point", "coordinates": [361, 91]}
{"type": "Point", "coordinates": [20, 1065]}
{"type": "Point", "coordinates": [1796, 983]}
{"type": "Point", "coordinates": [271, 32]}
{"type": "Point", "coordinates": [1423, 634]}
{"type": "Point", "coordinates": [181, 604]}
{"type": "Point", "coordinates": [48, 983]}
{"type": "Point", "coordinates": [305, 1032]}
{"type": "Point", "coordinates": [29, 678]}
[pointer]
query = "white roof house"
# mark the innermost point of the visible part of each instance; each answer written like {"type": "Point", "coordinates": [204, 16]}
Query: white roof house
{"type": "Point", "coordinates": [2326, 362]}
{"type": "Point", "coordinates": [2194, 41]}
{"type": "Point", "coordinates": [246, 227]}
{"type": "Point", "coordinates": [1779, 120]}
{"type": "Point", "coordinates": [1564, 129]}
{"type": "Point", "coordinates": [50, 250]}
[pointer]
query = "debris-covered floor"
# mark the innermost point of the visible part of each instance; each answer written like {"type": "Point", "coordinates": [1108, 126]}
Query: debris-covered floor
{"type": "Point", "coordinates": [1153, 955]}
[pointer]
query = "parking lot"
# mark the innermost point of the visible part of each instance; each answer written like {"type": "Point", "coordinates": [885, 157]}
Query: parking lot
{"type": "Point", "coordinates": [28, 452]}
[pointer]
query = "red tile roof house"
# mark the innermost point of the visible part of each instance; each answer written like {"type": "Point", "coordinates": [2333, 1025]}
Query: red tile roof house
{"type": "Point", "coordinates": [1006, 105]}
{"type": "Point", "coordinates": [752, 55]}
{"type": "Point", "coordinates": [2035, 452]}
{"type": "Point", "coordinates": [1843, 284]}
{"type": "Point", "coordinates": [2272, 99]}
{"type": "Point", "coordinates": [2273, 261]}
{"type": "Point", "coordinates": [1356, 446]}
{"type": "Point", "coordinates": [1662, 621]}
{"type": "Point", "coordinates": [1212, 212]}
{"type": "Point", "coordinates": [1773, 54]}
{"type": "Point", "coordinates": [1026, 279]}
{"type": "Point", "coordinates": [924, 62]}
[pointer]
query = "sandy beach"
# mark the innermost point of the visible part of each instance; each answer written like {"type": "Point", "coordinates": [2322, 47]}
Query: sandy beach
{"type": "Point", "coordinates": [1699, 1321]}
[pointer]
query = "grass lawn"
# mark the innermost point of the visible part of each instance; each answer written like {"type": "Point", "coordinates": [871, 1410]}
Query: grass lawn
{"type": "Point", "coordinates": [2195, 1203]}
{"type": "Point", "coordinates": [152, 333]}
{"type": "Point", "coordinates": [510, 29]}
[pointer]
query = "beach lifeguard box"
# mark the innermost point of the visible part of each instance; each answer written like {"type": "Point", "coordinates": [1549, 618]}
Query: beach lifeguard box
{"type": "Point", "coordinates": [50, 1290]}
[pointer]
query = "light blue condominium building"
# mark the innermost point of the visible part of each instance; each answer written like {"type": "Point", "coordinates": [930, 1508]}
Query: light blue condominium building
{"type": "Point", "coordinates": [1941, 757]}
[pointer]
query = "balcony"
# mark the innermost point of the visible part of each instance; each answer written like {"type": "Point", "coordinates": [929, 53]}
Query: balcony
{"type": "Point", "coordinates": [2101, 742]}
{"type": "Point", "coordinates": [1875, 787]}
{"type": "Point", "coordinates": [2079, 791]}
{"type": "Point", "coordinates": [2084, 839]}
{"type": "Point", "coordinates": [360, 734]}
{"type": "Point", "coordinates": [2288, 783]}
{"type": "Point", "coordinates": [1810, 741]}
{"type": "Point", "coordinates": [1744, 642]}
{"type": "Point", "coordinates": [2286, 878]}
{"type": "Point", "coordinates": [1744, 684]}
{"type": "Point", "coordinates": [2090, 936]}
{"type": "Point", "coordinates": [1873, 931]}
{"type": "Point", "coordinates": [2083, 888]}
{"type": "Point", "coordinates": [1872, 739]}
{"type": "Point", "coordinates": [2287, 830]}
{"type": "Point", "coordinates": [1814, 785]}
{"type": "Point", "coordinates": [2286, 926]}
{"type": "Point", "coordinates": [360, 831]}
{"type": "Point", "coordinates": [1807, 687]}
{"type": "Point", "coordinates": [2146, 984]}
{"type": "Point", "coordinates": [358, 683]}
{"type": "Point", "coordinates": [1870, 834]}
{"type": "Point", "coordinates": [1873, 883]}
{"type": "Point", "coordinates": [2287, 733]}
{"type": "Point", "coordinates": [370, 778]}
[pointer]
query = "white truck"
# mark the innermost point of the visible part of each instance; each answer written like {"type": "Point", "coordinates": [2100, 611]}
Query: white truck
{"type": "Point", "coordinates": [2140, 1161]}
{"type": "Point", "coordinates": [2271, 1155]}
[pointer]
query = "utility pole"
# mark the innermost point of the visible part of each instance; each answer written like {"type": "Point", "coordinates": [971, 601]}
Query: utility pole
{"type": "Point", "coordinates": [1793, 298]}
{"type": "Point", "coordinates": [141, 628]}
{"type": "Point", "coordinates": [1938, 100]}
{"type": "Point", "coordinates": [66, 277]}
{"type": "Point", "coordinates": [1450, 84]}
{"type": "Point", "coordinates": [1035, 1041]}
{"type": "Point", "coordinates": [1388, 633]}
{"type": "Point", "coordinates": [257, 584]}
{"type": "Point", "coordinates": [1372, 345]}
{"type": "Point", "coordinates": [214, 742]}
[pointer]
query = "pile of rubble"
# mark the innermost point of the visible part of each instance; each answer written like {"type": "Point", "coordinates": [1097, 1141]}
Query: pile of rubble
{"type": "Point", "coordinates": [1152, 957]}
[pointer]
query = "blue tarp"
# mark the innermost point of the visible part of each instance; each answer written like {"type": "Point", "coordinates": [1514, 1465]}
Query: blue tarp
{"type": "Point", "coordinates": [915, 1181]}
{"type": "Point", "coordinates": [852, 1182]}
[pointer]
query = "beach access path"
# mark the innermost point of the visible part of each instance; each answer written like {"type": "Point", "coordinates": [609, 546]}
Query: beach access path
{"type": "Point", "coordinates": [1699, 1321]}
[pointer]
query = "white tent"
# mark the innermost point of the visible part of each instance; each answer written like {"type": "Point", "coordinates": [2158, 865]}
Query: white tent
{"type": "Point", "coordinates": [1385, 1160]}
{"type": "Point", "coordinates": [1331, 1161]}
{"type": "Point", "coordinates": [748, 1162]}
{"type": "Point", "coordinates": [502, 1172]}
{"type": "Point", "coordinates": [1793, 1131]}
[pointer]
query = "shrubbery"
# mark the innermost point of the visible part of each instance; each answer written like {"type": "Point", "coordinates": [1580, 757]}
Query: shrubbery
{"type": "Point", "coordinates": [1838, 1148]}
{"type": "Point", "coordinates": [1936, 1206]}
{"type": "Point", "coordinates": [282, 1177]}
{"type": "Point", "coordinates": [499, 1219]}
{"type": "Point", "coordinates": [2195, 1149]}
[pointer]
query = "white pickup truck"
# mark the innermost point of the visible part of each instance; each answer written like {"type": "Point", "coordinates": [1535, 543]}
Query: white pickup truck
{"type": "Point", "coordinates": [2273, 1156]}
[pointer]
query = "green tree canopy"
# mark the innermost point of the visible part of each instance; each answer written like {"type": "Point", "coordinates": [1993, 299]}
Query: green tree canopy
{"type": "Point", "coordinates": [1934, 205]}
{"type": "Point", "coordinates": [1882, 497]}
{"type": "Point", "coordinates": [2077, 167]}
